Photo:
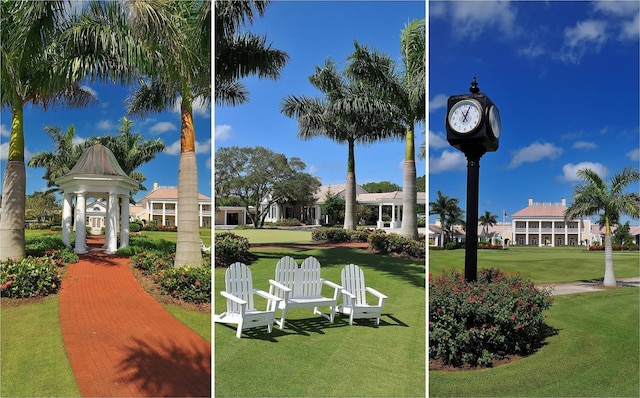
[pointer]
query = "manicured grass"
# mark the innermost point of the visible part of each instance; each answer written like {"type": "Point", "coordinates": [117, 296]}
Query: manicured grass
{"type": "Point", "coordinates": [199, 322]}
{"type": "Point", "coordinates": [594, 354]}
{"type": "Point", "coordinates": [34, 362]}
{"type": "Point", "coordinates": [313, 357]}
{"type": "Point", "coordinates": [205, 235]}
{"type": "Point", "coordinates": [274, 236]}
{"type": "Point", "coordinates": [542, 265]}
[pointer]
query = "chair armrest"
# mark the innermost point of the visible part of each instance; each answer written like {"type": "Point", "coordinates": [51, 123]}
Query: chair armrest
{"type": "Point", "coordinates": [347, 293]}
{"type": "Point", "coordinates": [337, 288]}
{"type": "Point", "coordinates": [233, 298]}
{"type": "Point", "coordinates": [376, 293]}
{"type": "Point", "coordinates": [279, 285]}
{"type": "Point", "coordinates": [266, 295]}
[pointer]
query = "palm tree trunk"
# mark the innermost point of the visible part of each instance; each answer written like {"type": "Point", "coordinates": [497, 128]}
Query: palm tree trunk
{"type": "Point", "coordinates": [609, 277]}
{"type": "Point", "coordinates": [13, 192]}
{"type": "Point", "coordinates": [409, 228]}
{"type": "Point", "coordinates": [188, 251]}
{"type": "Point", "coordinates": [350, 190]}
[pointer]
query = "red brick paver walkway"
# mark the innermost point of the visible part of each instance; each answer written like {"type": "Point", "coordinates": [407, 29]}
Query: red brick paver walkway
{"type": "Point", "coordinates": [120, 341]}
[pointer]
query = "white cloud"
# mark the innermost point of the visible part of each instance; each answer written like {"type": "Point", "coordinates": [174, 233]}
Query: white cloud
{"type": "Point", "coordinates": [222, 132]}
{"type": "Point", "coordinates": [4, 151]}
{"type": "Point", "coordinates": [533, 153]}
{"type": "Point", "coordinates": [569, 170]}
{"type": "Point", "coordinates": [448, 161]}
{"type": "Point", "coordinates": [616, 8]}
{"type": "Point", "coordinates": [534, 50]}
{"type": "Point", "coordinates": [439, 101]}
{"type": "Point", "coordinates": [634, 154]}
{"type": "Point", "coordinates": [162, 127]}
{"type": "Point", "coordinates": [105, 125]}
{"type": "Point", "coordinates": [631, 29]}
{"type": "Point", "coordinates": [77, 140]}
{"type": "Point", "coordinates": [586, 36]}
{"type": "Point", "coordinates": [470, 18]}
{"type": "Point", "coordinates": [4, 131]}
{"type": "Point", "coordinates": [437, 140]}
{"type": "Point", "coordinates": [203, 147]}
{"type": "Point", "coordinates": [584, 145]}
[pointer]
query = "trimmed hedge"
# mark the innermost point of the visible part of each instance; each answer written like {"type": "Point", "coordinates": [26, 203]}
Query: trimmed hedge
{"type": "Point", "coordinates": [394, 243]}
{"type": "Point", "coordinates": [231, 248]}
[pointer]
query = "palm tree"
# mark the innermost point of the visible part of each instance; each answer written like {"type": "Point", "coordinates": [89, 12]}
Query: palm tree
{"type": "Point", "coordinates": [487, 220]}
{"type": "Point", "coordinates": [241, 54]}
{"type": "Point", "coordinates": [182, 77]}
{"type": "Point", "coordinates": [131, 149]}
{"type": "Point", "coordinates": [406, 92]}
{"type": "Point", "coordinates": [609, 201]}
{"type": "Point", "coordinates": [449, 212]}
{"type": "Point", "coordinates": [31, 74]}
{"type": "Point", "coordinates": [59, 161]}
{"type": "Point", "coordinates": [353, 110]}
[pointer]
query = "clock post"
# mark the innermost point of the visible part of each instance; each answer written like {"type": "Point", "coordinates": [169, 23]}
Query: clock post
{"type": "Point", "coordinates": [473, 126]}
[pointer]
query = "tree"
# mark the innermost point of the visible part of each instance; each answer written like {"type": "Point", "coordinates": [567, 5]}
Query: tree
{"type": "Point", "coordinates": [406, 93]}
{"type": "Point", "coordinates": [260, 177]}
{"type": "Point", "coordinates": [130, 149]}
{"type": "Point", "coordinates": [62, 159]}
{"type": "Point", "coordinates": [31, 74]}
{"type": "Point", "coordinates": [179, 33]}
{"type": "Point", "coordinates": [622, 235]}
{"type": "Point", "coordinates": [382, 186]}
{"type": "Point", "coordinates": [352, 110]}
{"type": "Point", "coordinates": [487, 220]}
{"type": "Point", "coordinates": [240, 54]}
{"type": "Point", "coordinates": [449, 212]}
{"type": "Point", "coordinates": [41, 205]}
{"type": "Point", "coordinates": [607, 200]}
{"type": "Point", "coordinates": [333, 206]}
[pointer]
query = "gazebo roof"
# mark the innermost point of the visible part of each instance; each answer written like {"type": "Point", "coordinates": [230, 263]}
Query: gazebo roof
{"type": "Point", "coordinates": [97, 171]}
{"type": "Point", "coordinates": [98, 159]}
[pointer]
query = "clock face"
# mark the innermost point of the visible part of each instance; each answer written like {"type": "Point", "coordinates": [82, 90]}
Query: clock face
{"type": "Point", "coordinates": [495, 122]}
{"type": "Point", "coordinates": [465, 116]}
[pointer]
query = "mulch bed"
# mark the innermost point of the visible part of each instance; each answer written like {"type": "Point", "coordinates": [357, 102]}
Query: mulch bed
{"type": "Point", "coordinates": [437, 364]}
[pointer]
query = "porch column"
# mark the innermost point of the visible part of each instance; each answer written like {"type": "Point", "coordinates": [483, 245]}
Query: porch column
{"type": "Point", "coordinates": [124, 221]}
{"type": "Point", "coordinates": [539, 233]}
{"type": "Point", "coordinates": [380, 222]}
{"type": "Point", "coordinates": [199, 214]}
{"type": "Point", "coordinates": [81, 224]}
{"type": "Point", "coordinates": [553, 233]}
{"type": "Point", "coordinates": [111, 237]}
{"type": "Point", "coordinates": [164, 214]}
{"type": "Point", "coordinates": [66, 219]}
{"type": "Point", "coordinates": [107, 225]}
{"type": "Point", "coordinates": [579, 232]}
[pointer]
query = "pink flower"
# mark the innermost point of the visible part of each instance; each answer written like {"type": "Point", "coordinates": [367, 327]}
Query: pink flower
{"type": "Point", "coordinates": [513, 317]}
{"type": "Point", "coordinates": [197, 283]}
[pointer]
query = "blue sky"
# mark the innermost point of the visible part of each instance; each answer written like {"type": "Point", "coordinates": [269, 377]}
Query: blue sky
{"type": "Point", "coordinates": [565, 78]}
{"type": "Point", "coordinates": [310, 32]}
{"type": "Point", "coordinates": [103, 119]}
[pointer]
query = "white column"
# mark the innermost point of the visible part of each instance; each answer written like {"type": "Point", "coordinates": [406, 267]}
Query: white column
{"type": "Point", "coordinates": [539, 233]}
{"type": "Point", "coordinates": [111, 236]}
{"type": "Point", "coordinates": [107, 225]}
{"type": "Point", "coordinates": [164, 213]}
{"type": "Point", "coordinates": [66, 219]}
{"type": "Point", "coordinates": [199, 214]}
{"type": "Point", "coordinates": [566, 233]}
{"type": "Point", "coordinates": [124, 221]}
{"type": "Point", "coordinates": [526, 232]}
{"type": "Point", "coordinates": [553, 233]}
{"type": "Point", "coordinates": [380, 222]}
{"type": "Point", "coordinates": [579, 232]}
{"type": "Point", "coordinates": [81, 224]}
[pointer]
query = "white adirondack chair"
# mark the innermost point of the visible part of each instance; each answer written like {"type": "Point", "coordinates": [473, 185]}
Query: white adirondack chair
{"type": "Point", "coordinates": [354, 296]}
{"type": "Point", "coordinates": [302, 287]}
{"type": "Point", "coordinates": [240, 304]}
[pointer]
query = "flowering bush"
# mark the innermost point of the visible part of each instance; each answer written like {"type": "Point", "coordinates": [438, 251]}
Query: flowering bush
{"type": "Point", "coordinates": [489, 246]}
{"type": "Point", "coordinates": [613, 247]}
{"type": "Point", "coordinates": [191, 284]}
{"type": "Point", "coordinates": [36, 246]}
{"type": "Point", "coordinates": [384, 243]}
{"type": "Point", "coordinates": [231, 248]}
{"type": "Point", "coordinates": [472, 323]}
{"type": "Point", "coordinates": [152, 261]}
{"type": "Point", "coordinates": [29, 277]}
{"type": "Point", "coordinates": [141, 244]}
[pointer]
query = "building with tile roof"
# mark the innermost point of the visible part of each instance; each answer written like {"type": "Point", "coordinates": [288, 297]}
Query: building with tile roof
{"type": "Point", "coordinates": [161, 206]}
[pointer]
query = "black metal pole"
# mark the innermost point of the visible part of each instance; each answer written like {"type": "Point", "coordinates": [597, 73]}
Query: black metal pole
{"type": "Point", "coordinates": [471, 245]}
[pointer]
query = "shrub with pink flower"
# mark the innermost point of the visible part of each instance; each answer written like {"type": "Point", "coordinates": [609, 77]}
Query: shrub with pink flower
{"type": "Point", "coordinates": [472, 323]}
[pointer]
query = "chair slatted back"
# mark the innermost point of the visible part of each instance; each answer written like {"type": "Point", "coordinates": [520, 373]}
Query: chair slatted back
{"type": "Point", "coordinates": [308, 278]}
{"type": "Point", "coordinates": [353, 281]}
{"type": "Point", "coordinates": [238, 282]}
{"type": "Point", "coordinates": [285, 274]}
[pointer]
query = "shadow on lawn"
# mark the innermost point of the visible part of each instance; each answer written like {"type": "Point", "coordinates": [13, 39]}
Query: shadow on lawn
{"type": "Point", "coordinates": [167, 370]}
{"type": "Point", "coordinates": [314, 325]}
{"type": "Point", "coordinates": [411, 271]}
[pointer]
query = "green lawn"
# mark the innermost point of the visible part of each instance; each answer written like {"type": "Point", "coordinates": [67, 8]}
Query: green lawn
{"type": "Point", "coordinates": [312, 357]}
{"type": "Point", "coordinates": [594, 354]}
{"type": "Point", "coordinates": [34, 362]}
{"type": "Point", "coordinates": [542, 265]}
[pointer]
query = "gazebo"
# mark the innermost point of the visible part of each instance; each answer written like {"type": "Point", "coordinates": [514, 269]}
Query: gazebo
{"type": "Point", "coordinates": [97, 174]}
